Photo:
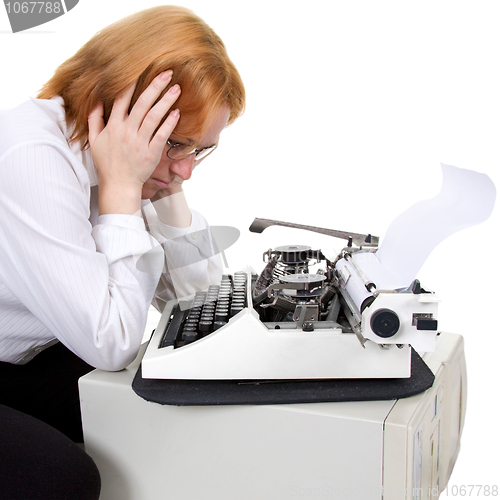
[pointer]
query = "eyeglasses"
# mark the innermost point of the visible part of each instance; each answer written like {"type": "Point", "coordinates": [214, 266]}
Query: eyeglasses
{"type": "Point", "coordinates": [178, 151]}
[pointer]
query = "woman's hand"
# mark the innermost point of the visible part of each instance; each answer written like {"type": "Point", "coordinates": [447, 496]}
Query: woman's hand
{"type": "Point", "coordinates": [127, 150]}
{"type": "Point", "coordinates": [171, 205]}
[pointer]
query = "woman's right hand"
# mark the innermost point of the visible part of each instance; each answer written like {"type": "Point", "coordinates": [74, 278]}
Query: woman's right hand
{"type": "Point", "coordinates": [127, 150]}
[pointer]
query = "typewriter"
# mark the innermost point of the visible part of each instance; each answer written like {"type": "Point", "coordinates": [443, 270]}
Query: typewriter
{"type": "Point", "coordinates": [303, 317]}
{"type": "Point", "coordinates": [360, 314]}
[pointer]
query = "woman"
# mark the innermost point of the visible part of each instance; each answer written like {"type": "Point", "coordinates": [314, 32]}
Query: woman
{"type": "Point", "coordinates": [95, 225]}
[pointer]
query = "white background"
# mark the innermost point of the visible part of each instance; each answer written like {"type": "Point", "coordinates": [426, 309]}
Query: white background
{"type": "Point", "coordinates": [352, 106]}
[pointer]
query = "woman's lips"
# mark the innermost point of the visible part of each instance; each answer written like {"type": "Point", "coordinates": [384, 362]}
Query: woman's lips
{"type": "Point", "coordinates": [161, 183]}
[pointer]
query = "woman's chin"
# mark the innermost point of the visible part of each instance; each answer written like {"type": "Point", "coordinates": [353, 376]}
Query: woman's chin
{"type": "Point", "coordinates": [148, 193]}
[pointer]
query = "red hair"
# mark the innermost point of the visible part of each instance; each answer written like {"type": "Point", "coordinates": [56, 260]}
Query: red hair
{"type": "Point", "coordinates": [140, 47]}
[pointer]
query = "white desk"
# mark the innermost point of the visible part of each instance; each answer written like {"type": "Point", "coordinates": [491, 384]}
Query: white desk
{"type": "Point", "coordinates": [402, 449]}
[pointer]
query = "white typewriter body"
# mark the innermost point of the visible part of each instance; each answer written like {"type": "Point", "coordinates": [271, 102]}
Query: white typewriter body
{"type": "Point", "coordinates": [246, 349]}
{"type": "Point", "coordinates": [289, 327]}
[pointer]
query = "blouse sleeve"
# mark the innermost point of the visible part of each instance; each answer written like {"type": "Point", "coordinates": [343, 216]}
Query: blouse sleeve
{"type": "Point", "coordinates": [82, 283]}
{"type": "Point", "coordinates": [192, 260]}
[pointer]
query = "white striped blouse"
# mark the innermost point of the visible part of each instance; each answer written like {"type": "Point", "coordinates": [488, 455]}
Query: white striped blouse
{"type": "Point", "coordinates": [68, 274]}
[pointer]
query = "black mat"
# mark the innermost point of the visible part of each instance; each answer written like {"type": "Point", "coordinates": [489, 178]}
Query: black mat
{"type": "Point", "coordinates": [244, 392]}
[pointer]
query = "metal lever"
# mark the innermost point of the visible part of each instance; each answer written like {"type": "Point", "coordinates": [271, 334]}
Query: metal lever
{"type": "Point", "coordinates": [366, 240]}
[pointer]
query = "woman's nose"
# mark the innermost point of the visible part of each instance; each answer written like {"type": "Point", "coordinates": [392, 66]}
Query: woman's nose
{"type": "Point", "coordinates": [183, 168]}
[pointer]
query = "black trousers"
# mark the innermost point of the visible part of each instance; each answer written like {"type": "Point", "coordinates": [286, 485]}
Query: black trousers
{"type": "Point", "coordinates": [40, 422]}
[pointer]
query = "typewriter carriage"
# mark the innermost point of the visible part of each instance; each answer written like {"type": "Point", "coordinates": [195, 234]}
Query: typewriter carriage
{"type": "Point", "coordinates": [287, 291]}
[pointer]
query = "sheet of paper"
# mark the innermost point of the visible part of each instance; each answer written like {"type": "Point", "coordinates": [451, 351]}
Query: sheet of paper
{"type": "Point", "coordinates": [466, 199]}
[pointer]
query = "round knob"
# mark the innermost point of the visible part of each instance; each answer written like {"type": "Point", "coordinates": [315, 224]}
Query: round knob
{"type": "Point", "coordinates": [384, 323]}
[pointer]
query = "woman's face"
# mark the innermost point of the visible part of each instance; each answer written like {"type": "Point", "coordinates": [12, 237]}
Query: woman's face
{"type": "Point", "coordinates": [167, 170]}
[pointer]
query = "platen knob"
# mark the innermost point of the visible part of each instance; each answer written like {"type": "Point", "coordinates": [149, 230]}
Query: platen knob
{"type": "Point", "coordinates": [384, 323]}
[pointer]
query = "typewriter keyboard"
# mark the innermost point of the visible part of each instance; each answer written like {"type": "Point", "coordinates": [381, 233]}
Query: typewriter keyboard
{"type": "Point", "coordinates": [207, 312]}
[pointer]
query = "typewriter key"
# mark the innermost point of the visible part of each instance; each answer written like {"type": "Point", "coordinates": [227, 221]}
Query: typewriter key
{"type": "Point", "coordinates": [218, 324]}
{"type": "Point", "coordinates": [194, 317]}
{"type": "Point", "coordinates": [189, 334]}
{"type": "Point", "coordinates": [235, 310]}
{"type": "Point", "coordinates": [205, 327]}
{"type": "Point", "coordinates": [221, 314]}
